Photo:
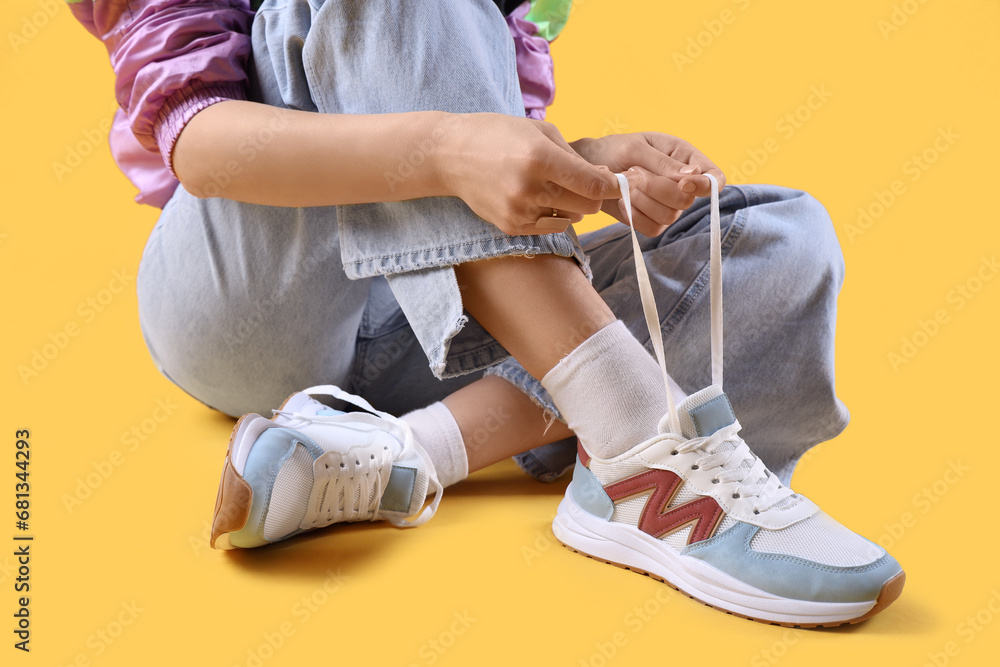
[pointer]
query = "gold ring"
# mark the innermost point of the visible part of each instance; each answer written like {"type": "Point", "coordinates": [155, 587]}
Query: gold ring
{"type": "Point", "coordinates": [553, 222]}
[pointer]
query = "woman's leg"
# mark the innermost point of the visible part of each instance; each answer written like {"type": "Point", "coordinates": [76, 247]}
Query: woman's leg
{"type": "Point", "coordinates": [498, 420]}
{"type": "Point", "coordinates": [782, 271]}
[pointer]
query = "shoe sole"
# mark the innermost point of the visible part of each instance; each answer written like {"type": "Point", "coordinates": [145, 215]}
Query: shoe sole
{"type": "Point", "coordinates": [630, 549]}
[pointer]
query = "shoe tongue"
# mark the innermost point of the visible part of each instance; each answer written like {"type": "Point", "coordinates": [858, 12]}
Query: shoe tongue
{"type": "Point", "coordinates": [705, 412]}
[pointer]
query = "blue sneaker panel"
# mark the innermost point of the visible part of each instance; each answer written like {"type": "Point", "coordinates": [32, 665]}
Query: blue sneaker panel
{"type": "Point", "coordinates": [711, 416]}
{"type": "Point", "coordinates": [399, 490]}
{"type": "Point", "coordinates": [589, 494]}
{"type": "Point", "coordinates": [270, 451]}
{"type": "Point", "coordinates": [789, 576]}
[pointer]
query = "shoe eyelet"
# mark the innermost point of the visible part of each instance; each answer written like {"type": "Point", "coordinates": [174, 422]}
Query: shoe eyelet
{"type": "Point", "coordinates": [343, 465]}
{"type": "Point", "coordinates": [673, 453]}
{"type": "Point", "coordinates": [756, 511]}
{"type": "Point", "coordinates": [715, 481]}
{"type": "Point", "coordinates": [373, 457]}
{"type": "Point", "coordinates": [736, 495]}
{"type": "Point", "coordinates": [694, 467]}
{"type": "Point", "coordinates": [357, 463]}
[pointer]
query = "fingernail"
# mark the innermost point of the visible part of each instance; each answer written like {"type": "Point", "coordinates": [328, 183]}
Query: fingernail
{"type": "Point", "coordinates": [688, 186]}
{"type": "Point", "coordinates": [688, 169]}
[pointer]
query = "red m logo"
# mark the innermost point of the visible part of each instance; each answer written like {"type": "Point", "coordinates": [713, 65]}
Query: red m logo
{"type": "Point", "coordinates": [702, 514]}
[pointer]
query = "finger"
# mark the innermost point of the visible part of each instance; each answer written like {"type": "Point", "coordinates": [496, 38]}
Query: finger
{"type": "Point", "coordinates": [659, 188]}
{"type": "Point", "coordinates": [679, 161]}
{"type": "Point", "coordinates": [552, 132]}
{"type": "Point", "coordinates": [570, 171]}
{"type": "Point", "coordinates": [643, 224]}
{"type": "Point", "coordinates": [654, 210]}
{"type": "Point", "coordinates": [566, 201]}
{"type": "Point", "coordinates": [662, 163]}
{"type": "Point", "coordinates": [698, 185]}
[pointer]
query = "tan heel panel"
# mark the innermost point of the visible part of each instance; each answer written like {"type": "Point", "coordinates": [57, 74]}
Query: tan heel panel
{"type": "Point", "coordinates": [232, 506]}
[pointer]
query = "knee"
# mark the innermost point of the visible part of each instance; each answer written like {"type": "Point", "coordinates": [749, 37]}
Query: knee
{"type": "Point", "coordinates": [208, 357]}
{"type": "Point", "coordinates": [795, 229]}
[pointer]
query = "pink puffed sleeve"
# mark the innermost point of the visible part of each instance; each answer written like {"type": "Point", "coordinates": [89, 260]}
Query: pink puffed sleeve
{"type": "Point", "coordinates": [172, 58]}
{"type": "Point", "coordinates": [534, 63]}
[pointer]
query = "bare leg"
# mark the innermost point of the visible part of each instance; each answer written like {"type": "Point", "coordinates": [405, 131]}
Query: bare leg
{"type": "Point", "coordinates": [497, 421]}
{"type": "Point", "coordinates": [538, 308]}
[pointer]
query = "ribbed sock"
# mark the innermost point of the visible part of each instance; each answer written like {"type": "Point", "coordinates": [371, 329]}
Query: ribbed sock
{"type": "Point", "coordinates": [435, 429]}
{"type": "Point", "coordinates": [610, 391]}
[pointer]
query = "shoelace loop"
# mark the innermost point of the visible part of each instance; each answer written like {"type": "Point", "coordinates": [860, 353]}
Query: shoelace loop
{"type": "Point", "coordinates": [337, 486]}
{"type": "Point", "coordinates": [739, 464]}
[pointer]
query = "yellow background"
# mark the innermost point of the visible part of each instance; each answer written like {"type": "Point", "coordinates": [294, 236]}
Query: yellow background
{"type": "Point", "coordinates": [139, 538]}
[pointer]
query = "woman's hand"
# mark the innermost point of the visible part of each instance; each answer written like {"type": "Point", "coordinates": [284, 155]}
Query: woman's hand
{"type": "Point", "coordinates": [512, 171]}
{"type": "Point", "coordinates": [665, 174]}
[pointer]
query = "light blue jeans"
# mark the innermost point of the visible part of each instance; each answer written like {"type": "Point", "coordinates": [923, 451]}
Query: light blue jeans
{"type": "Point", "coordinates": [242, 304]}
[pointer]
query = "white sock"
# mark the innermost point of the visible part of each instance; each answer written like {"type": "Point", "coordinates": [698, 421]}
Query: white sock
{"type": "Point", "coordinates": [610, 391]}
{"type": "Point", "coordinates": [435, 429]}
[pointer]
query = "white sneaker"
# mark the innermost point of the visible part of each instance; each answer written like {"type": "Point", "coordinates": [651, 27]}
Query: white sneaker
{"type": "Point", "coordinates": [311, 466]}
{"type": "Point", "coordinates": [695, 508]}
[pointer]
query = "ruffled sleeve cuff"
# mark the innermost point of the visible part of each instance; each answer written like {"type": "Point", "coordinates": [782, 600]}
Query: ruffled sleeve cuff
{"type": "Point", "coordinates": [182, 106]}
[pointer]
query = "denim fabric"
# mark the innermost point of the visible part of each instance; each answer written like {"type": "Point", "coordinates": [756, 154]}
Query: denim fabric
{"type": "Point", "coordinates": [242, 304]}
{"type": "Point", "coordinates": [391, 56]}
{"type": "Point", "coordinates": [782, 272]}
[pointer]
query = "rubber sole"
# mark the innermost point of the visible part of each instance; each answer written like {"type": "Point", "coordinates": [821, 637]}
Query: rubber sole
{"type": "Point", "coordinates": [578, 531]}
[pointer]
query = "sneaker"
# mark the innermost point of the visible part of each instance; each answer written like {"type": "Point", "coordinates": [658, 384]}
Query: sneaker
{"type": "Point", "coordinates": [310, 466]}
{"type": "Point", "coordinates": [696, 509]}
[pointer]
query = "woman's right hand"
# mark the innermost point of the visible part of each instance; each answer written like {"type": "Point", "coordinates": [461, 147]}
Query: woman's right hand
{"type": "Point", "coordinates": [512, 171]}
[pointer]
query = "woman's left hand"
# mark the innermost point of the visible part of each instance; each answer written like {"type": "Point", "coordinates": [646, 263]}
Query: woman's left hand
{"type": "Point", "coordinates": [665, 174]}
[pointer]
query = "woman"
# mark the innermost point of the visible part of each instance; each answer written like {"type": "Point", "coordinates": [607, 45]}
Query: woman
{"type": "Point", "coordinates": [377, 191]}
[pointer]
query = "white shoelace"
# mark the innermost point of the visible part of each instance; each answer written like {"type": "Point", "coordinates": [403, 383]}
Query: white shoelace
{"type": "Point", "coordinates": [350, 487]}
{"type": "Point", "coordinates": [723, 449]}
